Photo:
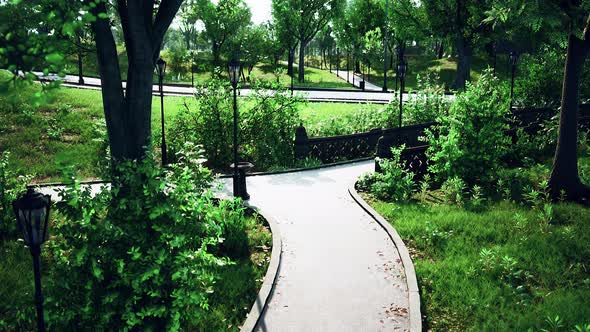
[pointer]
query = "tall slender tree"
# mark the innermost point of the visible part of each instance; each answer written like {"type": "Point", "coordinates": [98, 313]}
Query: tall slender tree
{"type": "Point", "coordinates": [569, 21]}
{"type": "Point", "coordinates": [305, 19]}
{"type": "Point", "coordinates": [224, 20]}
{"type": "Point", "coordinates": [462, 21]}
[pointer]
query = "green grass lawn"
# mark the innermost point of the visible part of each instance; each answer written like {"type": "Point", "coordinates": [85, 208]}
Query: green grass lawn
{"type": "Point", "coordinates": [505, 267]}
{"type": "Point", "coordinates": [446, 68]}
{"type": "Point", "coordinates": [314, 77]}
{"type": "Point", "coordinates": [229, 304]}
{"type": "Point", "coordinates": [68, 133]}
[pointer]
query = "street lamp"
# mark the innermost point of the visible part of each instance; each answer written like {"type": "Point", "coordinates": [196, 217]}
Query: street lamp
{"type": "Point", "coordinates": [385, 46]}
{"type": "Point", "coordinates": [32, 215]}
{"type": "Point", "coordinates": [348, 66]}
{"type": "Point", "coordinates": [161, 68]}
{"type": "Point", "coordinates": [338, 61]}
{"type": "Point", "coordinates": [234, 76]}
{"type": "Point", "coordinates": [292, 55]}
{"type": "Point", "coordinates": [402, 68]}
{"type": "Point", "coordinates": [192, 72]}
{"type": "Point", "coordinates": [513, 61]}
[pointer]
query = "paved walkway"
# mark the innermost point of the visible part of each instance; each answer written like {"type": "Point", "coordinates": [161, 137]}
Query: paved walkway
{"type": "Point", "coordinates": [357, 80]}
{"type": "Point", "coordinates": [339, 270]}
{"type": "Point", "coordinates": [311, 95]}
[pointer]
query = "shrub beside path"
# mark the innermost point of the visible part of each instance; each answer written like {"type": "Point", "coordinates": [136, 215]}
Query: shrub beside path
{"type": "Point", "coordinates": [339, 269]}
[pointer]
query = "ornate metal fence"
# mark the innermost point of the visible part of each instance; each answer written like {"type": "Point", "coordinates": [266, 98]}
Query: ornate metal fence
{"type": "Point", "coordinates": [378, 142]}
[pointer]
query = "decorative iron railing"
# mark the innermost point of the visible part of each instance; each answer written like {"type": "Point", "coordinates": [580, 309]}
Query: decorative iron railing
{"type": "Point", "coordinates": [378, 142]}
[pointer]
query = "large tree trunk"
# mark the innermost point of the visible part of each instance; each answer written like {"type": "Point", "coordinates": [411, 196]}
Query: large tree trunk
{"type": "Point", "coordinates": [113, 99]}
{"type": "Point", "coordinates": [301, 78]}
{"type": "Point", "coordinates": [128, 116]}
{"type": "Point", "coordinates": [465, 53]}
{"type": "Point", "coordinates": [564, 174]}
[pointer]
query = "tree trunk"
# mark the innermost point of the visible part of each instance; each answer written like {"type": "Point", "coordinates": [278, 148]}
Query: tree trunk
{"type": "Point", "coordinates": [216, 50]}
{"type": "Point", "coordinates": [291, 59]}
{"type": "Point", "coordinates": [564, 174]}
{"type": "Point", "coordinates": [301, 78]}
{"type": "Point", "coordinates": [441, 50]}
{"type": "Point", "coordinates": [464, 63]}
{"type": "Point", "coordinates": [128, 116]}
{"type": "Point", "coordinates": [357, 66]}
{"type": "Point", "coordinates": [112, 86]}
{"type": "Point", "coordinates": [187, 39]}
{"type": "Point", "coordinates": [80, 65]}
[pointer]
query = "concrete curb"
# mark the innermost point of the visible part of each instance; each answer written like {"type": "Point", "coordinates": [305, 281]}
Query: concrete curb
{"type": "Point", "coordinates": [411, 280]}
{"type": "Point", "coordinates": [268, 285]}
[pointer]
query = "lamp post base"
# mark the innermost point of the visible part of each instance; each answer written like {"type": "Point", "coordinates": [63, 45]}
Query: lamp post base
{"type": "Point", "coordinates": [239, 182]}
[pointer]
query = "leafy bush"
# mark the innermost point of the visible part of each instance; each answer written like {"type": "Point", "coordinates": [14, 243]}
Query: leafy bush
{"type": "Point", "coordinates": [177, 61]}
{"type": "Point", "coordinates": [362, 120]}
{"type": "Point", "coordinates": [17, 307]}
{"type": "Point", "coordinates": [511, 184]}
{"type": "Point", "coordinates": [470, 140]}
{"type": "Point", "coordinates": [141, 255]}
{"type": "Point", "coordinates": [393, 182]}
{"type": "Point", "coordinates": [539, 78]}
{"type": "Point", "coordinates": [11, 185]}
{"type": "Point", "coordinates": [427, 101]}
{"type": "Point", "coordinates": [453, 190]}
{"type": "Point", "coordinates": [267, 125]}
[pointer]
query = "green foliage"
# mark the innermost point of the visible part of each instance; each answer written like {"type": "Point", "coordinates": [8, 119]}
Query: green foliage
{"type": "Point", "coordinates": [393, 182]}
{"type": "Point", "coordinates": [235, 16]}
{"type": "Point", "coordinates": [367, 117]}
{"type": "Point", "coordinates": [511, 184]}
{"type": "Point", "coordinates": [142, 254]}
{"type": "Point", "coordinates": [177, 62]}
{"type": "Point", "coordinates": [453, 190]}
{"type": "Point", "coordinates": [470, 140]}
{"type": "Point", "coordinates": [12, 184]}
{"type": "Point", "coordinates": [17, 307]}
{"type": "Point", "coordinates": [427, 102]}
{"type": "Point", "coordinates": [539, 78]}
{"type": "Point", "coordinates": [266, 125]}
{"type": "Point", "coordinates": [495, 269]}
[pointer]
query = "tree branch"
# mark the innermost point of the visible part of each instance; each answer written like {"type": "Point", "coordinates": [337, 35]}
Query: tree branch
{"type": "Point", "coordinates": [166, 12]}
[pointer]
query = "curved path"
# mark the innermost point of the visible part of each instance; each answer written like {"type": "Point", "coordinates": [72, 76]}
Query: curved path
{"type": "Point", "coordinates": [339, 270]}
{"type": "Point", "coordinates": [332, 95]}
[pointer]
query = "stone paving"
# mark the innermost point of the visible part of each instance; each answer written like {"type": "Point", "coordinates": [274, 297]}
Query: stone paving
{"type": "Point", "coordinates": [339, 270]}
{"type": "Point", "coordinates": [93, 83]}
{"type": "Point", "coordinates": [357, 80]}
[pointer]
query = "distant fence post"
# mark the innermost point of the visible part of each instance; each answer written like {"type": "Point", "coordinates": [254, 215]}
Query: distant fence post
{"type": "Point", "coordinates": [301, 146]}
{"type": "Point", "coordinates": [384, 145]}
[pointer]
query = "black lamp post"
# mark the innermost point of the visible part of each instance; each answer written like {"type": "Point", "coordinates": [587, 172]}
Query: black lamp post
{"type": "Point", "coordinates": [330, 58]}
{"type": "Point", "coordinates": [292, 55]}
{"type": "Point", "coordinates": [513, 61]}
{"type": "Point", "coordinates": [161, 68]}
{"type": "Point", "coordinates": [234, 75]}
{"type": "Point", "coordinates": [385, 46]}
{"type": "Point", "coordinates": [192, 72]}
{"type": "Point", "coordinates": [402, 69]}
{"type": "Point", "coordinates": [348, 67]}
{"type": "Point", "coordinates": [32, 215]}
{"type": "Point", "coordinates": [338, 61]}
